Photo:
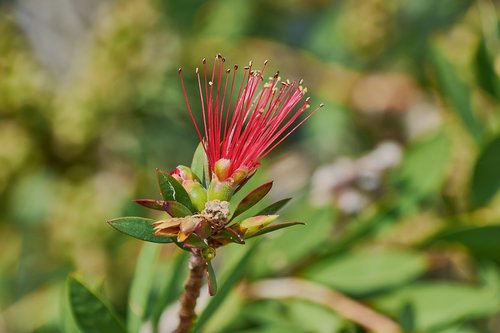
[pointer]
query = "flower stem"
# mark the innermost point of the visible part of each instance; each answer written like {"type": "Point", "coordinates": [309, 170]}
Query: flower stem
{"type": "Point", "coordinates": [197, 267]}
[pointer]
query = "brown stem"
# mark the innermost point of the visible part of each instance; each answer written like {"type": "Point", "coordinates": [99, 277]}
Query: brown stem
{"type": "Point", "coordinates": [197, 267]}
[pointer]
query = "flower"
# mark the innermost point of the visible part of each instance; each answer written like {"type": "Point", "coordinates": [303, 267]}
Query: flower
{"type": "Point", "coordinates": [234, 140]}
{"type": "Point", "coordinates": [236, 137]}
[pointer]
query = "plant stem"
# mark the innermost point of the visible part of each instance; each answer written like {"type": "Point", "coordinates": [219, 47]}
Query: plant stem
{"type": "Point", "coordinates": [197, 267]}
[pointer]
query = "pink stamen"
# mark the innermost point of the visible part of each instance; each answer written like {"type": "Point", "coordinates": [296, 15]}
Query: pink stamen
{"type": "Point", "coordinates": [262, 118]}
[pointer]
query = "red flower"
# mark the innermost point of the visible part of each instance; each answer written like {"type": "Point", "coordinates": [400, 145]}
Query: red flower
{"type": "Point", "coordinates": [264, 114]}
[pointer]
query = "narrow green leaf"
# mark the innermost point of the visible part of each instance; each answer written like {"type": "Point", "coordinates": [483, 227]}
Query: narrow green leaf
{"type": "Point", "coordinates": [274, 208]}
{"type": "Point", "coordinates": [485, 72]}
{"type": "Point", "coordinates": [486, 176]}
{"type": "Point", "coordinates": [193, 241]}
{"type": "Point", "coordinates": [231, 235]}
{"type": "Point", "coordinates": [141, 285]}
{"type": "Point", "coordinates": [199, 165]}
{"type": "Point", "coordinates": [252, 198]}
{"type": "Point", "coordinates": [176, 209]}
{"type": "Point", "coordinates": [235, 275]}
{"type": "Point", "coordinates": [67, 321]}
{"type": "Point", "coordinates": [138, 227]}
{"type": "Point", "coordinates": [482, 242]}
{"type": "Point", "coordinates": [90, 312]}
{"type": "Point", "coordinates": [363, 272]}
{"type": "Point", "coordinates": [424, 166]}
{"type": "Point", "coordinates": [171, 190]}
{"type": "Point", "coordinates": [151, 204]}
{"type": "Point", "coordinates": [173, 287]}
{"type": "Point", "coordinates": [212, 280]}
{"type": "Point", "coordinates": [457, 94]}
{"type": "Point", "coordinates": [274, 227]}
{"type": "Point", "coordinates": [438, 304]}
{"type": "Point", "coordinates": [407, 318]}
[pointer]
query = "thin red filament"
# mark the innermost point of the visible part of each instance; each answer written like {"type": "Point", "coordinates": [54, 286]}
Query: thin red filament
{"type": "Point", "coordinates": [264, 113]}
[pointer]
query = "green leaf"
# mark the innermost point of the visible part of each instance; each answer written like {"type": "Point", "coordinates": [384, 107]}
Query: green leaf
{"type": "Point", "coordinates": [138, 227]}
{"type": "Point", "coordinates": [364, 272]}
{"type": "Point", "coordinates": [173, 287]}
{"type": "Point", "coordinates": [235, 275]}
{"type": "Point", "coordinates": [67, 322]}
{"type": "Point", "coordinates": [274, 208]}
{"type": "Point", "coordinates": [200, 166]}
{"type": "Point", "coordinates": [437, 304]}
{"type": "Point", "coordinates": [231, 235]}
{"type": "Point", "coordinates": [486, 176]}
{"type": "Point", "coordinates": [424, 166]}
{"type": "Point", "coordinates": [173, 208]}
{"type": "Point", "coordinates": [457, 94]}
{"type": "Point", "coordinates": [212, 280]}
{"type": "Point", "coordinates": [176, 209]}
{"type": "Point", "coordinates": [252, 198]}
{"type": "Point", "coordinates": [483, 242]}
{"type": "Point", "coordinates": [296, 244]}
{"type": "Point", "coordinates": [171, 190]}
{"type": "Point", "coordinates": [485, 70]}
{"type": "Point", "coordinates": [456, 329]}
{"type": "Point", "coordinates": [90, 312]}
{"type": "Point", "coordinates": [407, 318]}
{"type": "Point", "coordinates": [151, 204]}
{"type": "Point", "coordinates": [141, 285]}
{"type": "Point", "coordinates": [300, 315]}
{"type": "Point", "coordinates": [274, 227]}
{"type": "Point", "coordinates": [312, 317]}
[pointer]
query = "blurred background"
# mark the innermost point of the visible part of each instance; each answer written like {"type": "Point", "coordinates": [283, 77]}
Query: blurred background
{"type": "Point", "coordinates": [397, 176]}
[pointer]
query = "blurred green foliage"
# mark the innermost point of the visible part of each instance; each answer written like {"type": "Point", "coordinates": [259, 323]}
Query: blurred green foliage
{"type": "Point", "coordinates": [79, 141]}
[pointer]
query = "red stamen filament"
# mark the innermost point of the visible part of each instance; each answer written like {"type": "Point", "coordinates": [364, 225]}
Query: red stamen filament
{"type": "Point", "coordinates": [260, 120]}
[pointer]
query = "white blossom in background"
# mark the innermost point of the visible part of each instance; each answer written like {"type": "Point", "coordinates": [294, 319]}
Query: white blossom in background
{"type": "Point", "coordinates": [350, 182]}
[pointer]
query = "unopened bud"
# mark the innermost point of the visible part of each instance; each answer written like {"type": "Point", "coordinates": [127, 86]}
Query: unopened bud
{"type": "Point", "coordinates": [208, 253]}
{"type": "Point", "coordinates": [240, 175]}
{"type": "Point", "coordinates": [253, 224]}
{"type": "Point", "coordinates": [221, 168]}
{"type": "Point", "coordinates": [183, 172]}
{"type": "Point", "coordinates": [197, 194]}
{"type": "Point", "coordinates": [218, 190]}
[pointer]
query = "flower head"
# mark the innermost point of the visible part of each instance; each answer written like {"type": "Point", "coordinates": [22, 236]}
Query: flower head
{"type": "Point", "coordinates": [236, 136]}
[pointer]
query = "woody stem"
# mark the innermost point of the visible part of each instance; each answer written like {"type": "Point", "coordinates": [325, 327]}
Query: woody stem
{"type": "Point", "coordinates": [197, 267]}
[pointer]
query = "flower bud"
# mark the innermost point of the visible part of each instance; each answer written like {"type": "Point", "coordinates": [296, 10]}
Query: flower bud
{"type": "Point", "coordinates": [197, 194]}
{"type": "Point", "coordinates": [240, 175]}
{"type": "Point", "coordinates": [184, 173]}
{"type": "Point", "coordinates": [218, 190]}
{"type": "Point", "coordinates": [253, 224]}
{"type": "Point", "coordinates": [208, 253]}
{"type": "Point", "coordinates": [221, 168]}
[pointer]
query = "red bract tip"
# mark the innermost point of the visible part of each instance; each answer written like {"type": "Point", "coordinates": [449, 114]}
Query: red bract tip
{"type": "Point", "coordinates": [262, 116]}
